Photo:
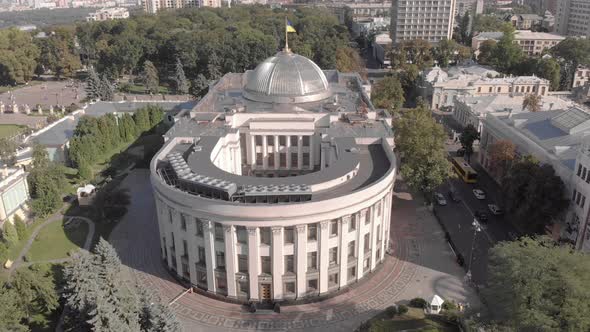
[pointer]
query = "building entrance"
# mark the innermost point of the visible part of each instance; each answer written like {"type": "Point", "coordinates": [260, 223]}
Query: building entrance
{"type": "Point", "coordinates": [265, 292]}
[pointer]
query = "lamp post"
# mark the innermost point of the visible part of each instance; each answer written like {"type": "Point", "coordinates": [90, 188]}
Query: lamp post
{"type": "Point", "coordinates": [476, 229]}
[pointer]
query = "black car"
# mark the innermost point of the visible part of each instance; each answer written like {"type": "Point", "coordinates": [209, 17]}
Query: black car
{"type": "Point", "coordinates": [455, 197]}
{"type": "Point", "coordinates": [481, 216]}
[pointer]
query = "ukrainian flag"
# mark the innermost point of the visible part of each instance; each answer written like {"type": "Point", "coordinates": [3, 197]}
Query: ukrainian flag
{"type": "Point", "coordinates": [290, 27]}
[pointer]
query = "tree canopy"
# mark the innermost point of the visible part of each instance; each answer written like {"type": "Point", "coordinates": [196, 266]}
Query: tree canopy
{"type": "Point", "coordinates": [538, 285]}
{"type": "Point", "coordinates": [388, 94]}
{"type": "Point", "coordinates": [468, 136]}
{"type": "Point", "coordinates": [18, 56]}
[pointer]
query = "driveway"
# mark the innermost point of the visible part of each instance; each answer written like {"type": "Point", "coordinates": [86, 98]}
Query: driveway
{"type": "Point", "coordinates": [421, 265]}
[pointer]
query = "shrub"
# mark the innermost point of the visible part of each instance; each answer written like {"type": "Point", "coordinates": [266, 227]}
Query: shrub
{"type": "Point", "coordinates": [418, 302]}
{"type": "Point", "coordinates": [452, 316]}
{"type": "Point", "coordinates": [9, 233]}
{"type": "Point", "coordinates": [390, 311]}
{"type": "Point", "coordinates": [21, 228]}
{"type": "Point", "coordinates": [449, 305]}
{"type": "Point", "coordinates": [402, 309]}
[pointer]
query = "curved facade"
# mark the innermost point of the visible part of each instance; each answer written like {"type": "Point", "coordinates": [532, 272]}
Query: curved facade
{"type": "Point", "coordinates": [271, 202]}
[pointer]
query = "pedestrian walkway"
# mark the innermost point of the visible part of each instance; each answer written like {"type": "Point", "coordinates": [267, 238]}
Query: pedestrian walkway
{"type": "Point", "coordinates": [421, 264]}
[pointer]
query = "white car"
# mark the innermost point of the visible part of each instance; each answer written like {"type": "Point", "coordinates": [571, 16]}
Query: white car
{"type": "Point", "coordinates": [495, 209]}
{"type": "Point", "coordinates": [479, 194]}
{"type": "Point", "coordinates": [440, 199]}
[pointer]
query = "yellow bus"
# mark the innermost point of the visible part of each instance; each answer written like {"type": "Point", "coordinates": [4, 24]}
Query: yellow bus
{"type": "Point", "coordinates": [464, 170]}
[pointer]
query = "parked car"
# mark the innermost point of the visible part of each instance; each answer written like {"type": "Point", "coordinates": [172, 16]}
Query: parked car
{"type": "Point", "coordinates": [440, 199]}
{"type": "Point", "coordinates": [495, 209]}
{"type": "Point", "coordinates": [481, 216]}
{"type": "Point", "coordinates": [455, 197]}
{"type": "Point", "coordinates": [479, 194]}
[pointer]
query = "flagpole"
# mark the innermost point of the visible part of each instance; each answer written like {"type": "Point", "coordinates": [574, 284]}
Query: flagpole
{"type": "Point", "coordinates": [286, 35]}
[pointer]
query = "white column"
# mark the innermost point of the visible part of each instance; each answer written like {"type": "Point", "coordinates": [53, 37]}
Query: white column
{"type": "Point", "coordinates": [323, 253]}
{"type": "Point", "coordinates": [209, 236]}
{"type": "Point", "coordinates": [252, 154]}
{"type": "Point", "coordinates": [288, 149]}
{"type": "Point", "coordinates": [253, 261]}
{"type": "Point", "coordinates": [385, 224]}
{"type": "Point", "coordinates": [311, 150]}
{"type": "Point", "coordinates": [344, 250]}
{"type": "Point", "coordinates": [299, 152]}
{"type": "Point", "coordinates": [360, 245]}
{"type": "Point", "coordinates": [264, 153]}
{"type": "Point", "coordinates": [231, 260]}
{"type": "Point", "coordinates": [373, 236]}
{"type": "Point", "coordinates": [301, 259]}
{"type": "Point", "coordinates": [277, 262]}
{"type": "Point", "coordinates": [276, 151]}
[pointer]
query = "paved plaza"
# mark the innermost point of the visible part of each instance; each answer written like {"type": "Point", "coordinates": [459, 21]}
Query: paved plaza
{"type": "Point", "coordinates": [421, 265]}
{"type": "Point", "coordinates": [45, 94]}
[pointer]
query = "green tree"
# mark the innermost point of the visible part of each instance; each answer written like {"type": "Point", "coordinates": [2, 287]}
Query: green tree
{"type": "Point", "coordinates": [538, 285]}
{"type": "Point", "coordinates": [106, 88]}
{"type": "Point", "coordinates": [348, 60]}
{"type": "Point", "coordinates": [549, 69]}
{"type": "Point", "coordinates": [18, 56]}
{"type": "Point", "coordinates": [420, 142]}
{"type": "Point", "coordinates": [199, 87]}
{"type": "Point", "coordinates": [153, 315]}
{"type": "Point", "coordinates": [501, 154]}
{"type": "Point", "coordinates": [464, 33]}
{"type": "Point", "coordinates": [58, 51]}
{"type": "Point", "coordinates": [486, 52]}
{"type": "Point", "coordinates": [21, 227]}
{"type": "Point", "coordinates": [534, 194]}
{"type": "Point", "coordinates": [93, 84]}
{"type": "Point", "coordinates": [8, 151]}
{"type": "Point", "coordinates": [36, 292]}
{"type": "Point", "coordinates": [46, 182]}
{"type": "Point", "coordinates": [84, 170]}
{"type": "Point", "coordinates": [388, 93]}
{"type": "Point", "coordinates": [532, 102]}
{"type": "Point", "coordinates": [150, 77]}
{"type": "Point", "coordinates": [573, 52]}
{"type": "Point", "coordinates": [447, 51]}
{"type": "Point", "coordinates": [182, 85]}
{"type": "Point", "coordinates": [468, 136]}
{"type": "Point", "coordinates": [39, 156]}
{"type": "Point", "coordinates": [507, 55]}
{"type": "Point", "coordinates": [483, 23]}
{"type": "Point", "coordinates": [12, 315]}
{"type": "Point", "coordinates": [9, 233]}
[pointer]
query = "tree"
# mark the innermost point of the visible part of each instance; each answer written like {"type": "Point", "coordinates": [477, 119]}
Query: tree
{"type": "Point", "coordinates": [36, 292]}
{"type": "Point", "coordinates": [12, 314]}
{"type": "Point", "coordinates": [182, 85]}
{"type": "Point", "coordinates": [150, 77]}
{"type": "Point", "coordinates": [468, 136]}
{"type": "Point", "coordinates": [534, 194]}
{"type": "Point", "coordinates": [500, 155]}
{"type": "Point", "coordinates": [448, 51]}
{"type": "Point", "coordinates": [507, 55]}
{"type": "Point", "coordinates": [93, 84]}
{"type": "Point", "coordinates": [532, 102]}
{"type": "Point", "coordinates": [107, 90]}
{"type": "Point", "coordinates": [388, 93]}
{"type": "Point", "coordinates": [483, 23]}
{"type": "Point", "coordinates": [551, 70]}
{"type": "Point", "coordinates": [538, 285]}
{"type": "Point", "coordinates": [46, 182]}
{"type": "Point", "coordinates": [154, 316]}
{"type": "Point", "coordinates": [58, 51]}
{"type": "Point", "coordinates": [18, 56]}
{"type": "Point", "coordinates": [486, 52]}
{"type": "Point", "coordinates": [8, 151]}
{"type": "Point", "coordinates": [9, 233]}
{"type": "Point", "coordinates": [574, 52]}
{"type": "Point", "coordinates": [84, 170]}
{"type": "Point", "coordinates": [21, 228]}
{"type": "Point", "coordinates": [420, 142]}
{"type": "Point", "coordinates": [348, 60]}
{"type": "Point", "coordinates": [199, 87]}
{"type": "Point", "coordinates": [464, 33]}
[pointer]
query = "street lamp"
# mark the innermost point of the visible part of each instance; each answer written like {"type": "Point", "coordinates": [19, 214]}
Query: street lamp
{"type": "Point", "coordinates": [476, 229]}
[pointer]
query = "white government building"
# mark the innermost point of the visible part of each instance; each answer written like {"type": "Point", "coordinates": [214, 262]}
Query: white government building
{"type": "Point", "coordinates": [277, 185]}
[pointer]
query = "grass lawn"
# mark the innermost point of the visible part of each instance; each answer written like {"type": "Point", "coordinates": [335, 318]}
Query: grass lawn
{"type": "Point", "coordinates": [414, 319]}
{"type": "Point", "coordinates": [55, 242]}
{"type": "Point", "coordinates": [8, 130]}
{"type": "Point", "coordinates": [140, 89]}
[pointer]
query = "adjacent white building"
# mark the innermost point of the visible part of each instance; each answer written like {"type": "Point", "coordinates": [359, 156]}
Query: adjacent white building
{"type": "Point", "coordinates": [559, 138]}
{"type": "Point", "coordinates": [108, 14]}
{"type": "Point", "coordinates": [422, 19]}
{"type": "Point", "coordinates": [531, 43]}
{"type": "Point", "coordinates": [14, 194]}
{"type": "Point", "coordinates": [277, 185]}
{"type": "Point", "coordinates": [153, 6]}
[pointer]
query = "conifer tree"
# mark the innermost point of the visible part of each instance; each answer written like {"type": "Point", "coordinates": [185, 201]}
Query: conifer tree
{"type": "Point", "coordinates": [150, 77]}
{"type": "Point", "coordinates": [153, 315]}
{"type": "Point", "coordinates": [107, 90]}
{"type": "Point", "coordinates": [9, 233]}
{"type": "Point", "coordinates": [84, 170]}
{"type": "Point", "coordinates": [93, 84]}
{"type": "Point", "coordinates": [21, 228]}
{"type": "Point", "coordinates": [182, 85]}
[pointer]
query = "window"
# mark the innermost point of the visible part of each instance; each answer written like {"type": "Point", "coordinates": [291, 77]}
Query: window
{"type": "Point", "coordinates": [182, 222]}
{"type": "Point", "coordinates": [199, 227]}
{"type": "Point", "coordinates": [499, 89]}
{"type": "Point", "coordinates": [220, 260]}
{"type": "Point", "coordinates": [334, 228]}
{"type": "Point", "coordinates": [289, 264]}
{"type": "Point", "coordinates": [368, 216]}
{"type": "Point", "coordinates": [367, 242]}
{"type": "Point", "coordinates": [259, 159]}
{"type": "Point", "coordinates": [294, 140]}
{"type": "Point", "coordinates": [312, 285]}
{"type": "Point", "coordinates": [367, 264]}
{"type": "Point", "coordinates": [578, 198]}
{"type": "Point", "coordinates": [584, 173]}
{"type": "Point", "coordinates": [378, 233]}
{"type": "Point", "coordinates": [583, 201]}
{"type": "Point", "coordinates": [184, 248]}
{"type": "Point", "coordinates": [378, 208]}
{"type": "Point", "coordinates": [201, 252]}
{"type": "Point", "coordinates": [270, 140]}
{"type": "Point", "coordinates": [294, 159]}
{"type": "Point", "coordinates": [282, 140]}
{"type": "Point", "coordinates": [312, 260]}
{"type": "Point", "coordinates": [306, 140]}
{"type": "Point", "coordinates": [170, 216]}
{"type": "Point", "coordinates": [351, 247]}
{"type": "Point", "coordinates": [574, 196]}
{"type": "Point", "coordinates": [333, 279]}
{"type": "Point", "coordinates": [266, 265]}
{"type": "Point", "coordinates": [289, 234]}
{"type": "Point", "coordinates": [243, 263]}
{"type": "Point", "coordinates": [352, 273]}
{"type": "Point", "coordinates": [265, 235]}
{"type": "Point", "coordinates": [378, 255]}
{"type": "Point", "coordinates": [218, 232]}
{"type": "Point", "coordinates": [333, 256]}
{"type": "Point", "coordinates": [202, 278]}
{"type": "Point", "coordinates": [258, 140]}
{"type": "Point", "coordinates": [479, 89]}
{"type": "Point", "coordinates": [221, 283]}
{"type": "Point", "coordinates": [241, 234]}
{"type": "Point", "coordinates": [312, 232]}
{"type": "Point", "coordinates": [289, 288]}
{"type": "Point", "coordinates": [244, 287]}
{"type": "Point", "coordinates": [352, 223]}
{"type": "Point", "coordinates": [490, 89]}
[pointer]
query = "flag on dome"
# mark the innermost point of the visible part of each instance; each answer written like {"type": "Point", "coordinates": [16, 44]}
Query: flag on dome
{"type": "Point", "coordinates": [290, 27]}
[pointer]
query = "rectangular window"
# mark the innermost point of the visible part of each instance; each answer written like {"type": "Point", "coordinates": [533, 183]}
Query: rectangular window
{"type": "Point", "coordinates": [294, 141]}
{"type": "Point", "coordinates": [312, 285]}
{"type": "Point", "coordinates": [294, 159]}
{"type": "Point", "coordinates": [306, 140]}
{"type": "Point", "coordinates": [578, 198]}
{"type": "Point", "coordinates": [271, 160]}
{"type": "Point", "coordinates": [182, 222]}
{"type": "Point", "coordinates": [221, 283]}
{"type": "Point", "coordinates": [220, 260]}
{"type": "Point", "coordinates": [243, 263]}
{"type": "Point", "coordinates": [333, 279]}
{"type": "Point", "coordinates": [289, 288]}
{"type": "Point", "coordinates": [333, 256]}
{"type": "Point", "coordinates": [378, 233]}
{"type": "Point", "coordinates": [265, 235]}
{"type": "Point", "coordinates": [368, 216]}
{"type": "Point", "coordinates": [218, 232]}
{"type": "Point", "coordinates": [583, 201]}
{"type": "Point", "coordinates": [259, 159]}
{"type": "Point", "coordinates": [242, 234]}
{"type": "Point", "coordinates": [352, 273]}
{"type": "Point", "coordinates": [312, 232]}
{"type": "Point", "coordinates": [378, 208]}
{"type": "Point", "coordinates": [584, 173]}
{"type": "Point", "coordinates": [367, 242]}
{"type": "Point", "coordinates": [202, 260]}
{"type": "Point", "coordinates": [334, 228]}
{"type": "Point", "coordinates": [367, 264]}
{"type": "Point", "coordinates": [289, 233]}
{"type": "Point", "coordinates": [202, 278]}
{"type": "Point", "coordinates": [312, 260]}
{"type": "Point", "coordinates": [352, 223]}
{"type": "Point", "coordinates": [289, 264]}
{"type": "Point", "coordinates": [244, 287]}
{"type": "Point", "coordinates": [199, 227]}
{"type": "Point", "coordinates": [378, 255]}
{"type": "Point", "coordinates": [283, 140]}
{"type": "Point", "coordinates": [258, 140]}
{"type": "Point", "coordinates": [351, 247]}
{"type": "Point", "coordinates": [270, 140]}
{"type": "Point", "coordinates": [574, 196]}
{"type": "Point", "coordinates": [283, 160]}
{"type": "Point", "coordinates": [266, 264]}
{"type": "Point", "coordinates": [588, 178]}
{"type": "Point", "coordinates": [184, 248]}
{"type": "Point", "coordinates": [490, 89]}
{"type": "Point", "coordinates": [170, 216]}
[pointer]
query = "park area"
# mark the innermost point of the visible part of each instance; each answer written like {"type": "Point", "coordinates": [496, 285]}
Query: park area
{"type": "Point", "coordinates": [9, 130]}
{"type": "Point", "coordinates": [57, 240]}
{"type": "Point", "coordinates": [413, 320]}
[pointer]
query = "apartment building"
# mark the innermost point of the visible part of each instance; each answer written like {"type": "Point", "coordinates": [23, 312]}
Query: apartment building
{"type": "Point", "coordinates": [422, 19]}
{"type": "Point", "coordinates": [153, 6]}
{"type": "Point", "coordinates": [532, 43]}
{"type": "Point", "coordinates": [573, 18]}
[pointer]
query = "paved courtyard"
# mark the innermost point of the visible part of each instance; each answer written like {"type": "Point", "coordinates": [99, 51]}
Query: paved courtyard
{"type": "Point", "coordinates": [46, 93]}
{"type": "Point", "coordinates": [421, 265]}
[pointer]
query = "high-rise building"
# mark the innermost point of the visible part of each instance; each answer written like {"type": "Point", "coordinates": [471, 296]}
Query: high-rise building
{"type": "Point", "coordinates": [573, 18]}
{"type": "Point", "coordinates": [422, 19]}
{"type": "Point", "coordinates": [153, 6]}
{"type": "Point", "coordinates": [471, 6]}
